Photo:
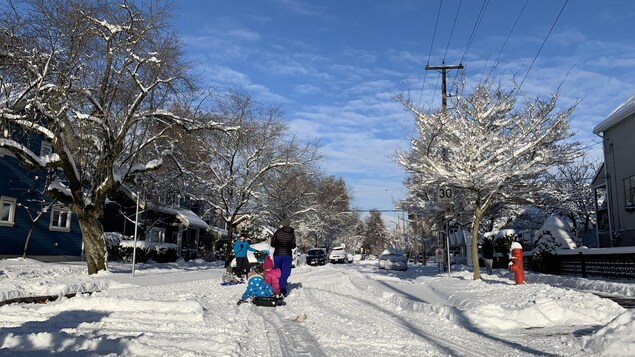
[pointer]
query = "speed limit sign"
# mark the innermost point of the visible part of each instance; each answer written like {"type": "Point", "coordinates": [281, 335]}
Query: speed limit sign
{"type": "Point", "coordinates": [445, 194]}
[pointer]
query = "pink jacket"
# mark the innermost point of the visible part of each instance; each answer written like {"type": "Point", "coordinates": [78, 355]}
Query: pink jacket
{"type": "Point", "coordinates": [272, 277]}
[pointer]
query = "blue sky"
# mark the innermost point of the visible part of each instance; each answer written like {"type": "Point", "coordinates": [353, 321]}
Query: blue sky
{"type": "Point", "coordinates": [333, 66]}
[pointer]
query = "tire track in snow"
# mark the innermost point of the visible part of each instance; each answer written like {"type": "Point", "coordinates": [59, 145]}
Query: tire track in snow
{"type": "Point", "coordinates": [292, 338]}
{"type": "Point", "coordinates": [418, 324]}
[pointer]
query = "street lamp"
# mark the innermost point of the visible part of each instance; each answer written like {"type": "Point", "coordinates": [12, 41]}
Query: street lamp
{"type": "Point", "coordinates": [136, 224]}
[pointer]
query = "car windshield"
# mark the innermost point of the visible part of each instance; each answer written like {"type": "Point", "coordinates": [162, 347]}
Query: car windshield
{"type": "Point", "coordinates": [391, 251]}
{"type": "Point", "coordinates": [315, 252]}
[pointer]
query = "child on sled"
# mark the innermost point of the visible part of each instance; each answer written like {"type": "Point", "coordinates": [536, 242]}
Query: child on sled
{"type": "Point", "coordinates": [256, 287]}
{"type": "Point", "coordinates": [272, 275]}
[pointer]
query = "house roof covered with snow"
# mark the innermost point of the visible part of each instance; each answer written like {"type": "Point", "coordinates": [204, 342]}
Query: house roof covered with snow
{"type": "Point", "coordinates": [185, 216]}
{"type": "Point", "coordinates": [620, 113]}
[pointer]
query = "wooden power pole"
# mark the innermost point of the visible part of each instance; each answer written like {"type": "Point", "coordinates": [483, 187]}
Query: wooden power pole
{"type": "Point", "coordinates": [444, 68]}
{"type": "Point", "coordinates": [444, 107]}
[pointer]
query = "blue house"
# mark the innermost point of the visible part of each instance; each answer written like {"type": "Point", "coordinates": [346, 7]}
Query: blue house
{"type": "Point", "coordinates": [54, 235]}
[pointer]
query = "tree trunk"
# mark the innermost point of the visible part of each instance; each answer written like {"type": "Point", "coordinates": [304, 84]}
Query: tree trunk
{"type": "Point", "coordinates": [28, 237]}
{"type": "Point", "coordinates": [474, 250]}
{"type": "Point", "coordinates": [574, 225]}
{"type": "Point", "coordinates": [92, 236]}
{"type": "Point", "coordinates": [229, 247]}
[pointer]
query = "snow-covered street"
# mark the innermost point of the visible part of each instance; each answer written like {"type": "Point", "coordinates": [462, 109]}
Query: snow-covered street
{"type": "Point", "coordinates": [181, 309]}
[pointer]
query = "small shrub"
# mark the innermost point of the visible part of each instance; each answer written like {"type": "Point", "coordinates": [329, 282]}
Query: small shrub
{"type": "Point", "coordinates": [164, 254]}
{"type": "Point", "coordinates": [504, 243]}
{"type": "Point", "coordinates": [145, 251]}
{"type": "Point", "coordinates": [112, 241]}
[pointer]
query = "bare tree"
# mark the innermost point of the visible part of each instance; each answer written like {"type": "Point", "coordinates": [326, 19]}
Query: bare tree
{"type": "Point", "coordinates": [237, 165]}
{"type": "Point", "coordinates": [376, 233]}
{"type": "Point", "coordinates": [328, 218]}
{"type": "Point", "coordinates": [94, 78]}
{"type": "Point", "coordinates": [570, 192]}
{"type": "Point", "coordinates": [489, 145]}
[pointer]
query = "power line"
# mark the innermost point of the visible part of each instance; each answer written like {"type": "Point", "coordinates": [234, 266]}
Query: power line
{"type": "Point", "coordinates": [543, 44]}
{"type": "Point", "coordinates": [474, 29]}
{"type": "Point", "coordinates": [510, 32]}
{"type": "Point", "coordinates": [434, 34]}
{"type": "Point", "coordinates": [452, 31]}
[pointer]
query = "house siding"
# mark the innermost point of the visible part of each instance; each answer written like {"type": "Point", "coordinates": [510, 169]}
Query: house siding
{"type": "Point", "coordinates": [619, 163]}
{"type": "Point", "coordinates": [44, 244]}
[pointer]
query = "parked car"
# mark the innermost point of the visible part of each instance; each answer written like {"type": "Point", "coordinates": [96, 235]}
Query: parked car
{"type": "Point", "coordinates": [393, 259]}
{"type": "Point", "coordinates": [316, 256]}
{"type": "Point", "coordinates": [338, 255]}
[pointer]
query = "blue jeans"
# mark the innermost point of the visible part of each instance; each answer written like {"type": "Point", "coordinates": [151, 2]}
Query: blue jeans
{"type": "Point", "coordinates": [284, 263]}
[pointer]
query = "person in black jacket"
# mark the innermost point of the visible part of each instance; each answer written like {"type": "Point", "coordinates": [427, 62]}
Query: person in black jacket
{"type": "Point", "coordinates": [487, 250]}
{"type": "Point", "coordinates": [284, 242]}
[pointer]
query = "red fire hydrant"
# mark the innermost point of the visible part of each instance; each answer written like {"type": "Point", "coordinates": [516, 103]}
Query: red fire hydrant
{"type": "Point", "coordinates": [516, 262]}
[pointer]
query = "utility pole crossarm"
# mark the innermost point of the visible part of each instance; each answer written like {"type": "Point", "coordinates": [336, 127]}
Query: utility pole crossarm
{"type": "Point", "coordinates": [444, 67]}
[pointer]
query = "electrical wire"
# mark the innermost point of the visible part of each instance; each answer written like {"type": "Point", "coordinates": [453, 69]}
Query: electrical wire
{"type": "Point", "coordinates": [434, 34]}
{"type": "Point", "coordinates": [543, 44]}
{"type": "Point", "coordinates": [474, 30]}
{"type": "Point", "coordinates": [477, 24]}
{"type": "Point", "coordinates": [456, 17]}
{"type": "Point", "coordinates": [434, 93]}
{"type": "Point", "coordinates": [510, 33]}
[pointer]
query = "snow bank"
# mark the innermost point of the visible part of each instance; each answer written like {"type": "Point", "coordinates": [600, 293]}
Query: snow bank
{"type": "Point", "coordinates": [616, 339]}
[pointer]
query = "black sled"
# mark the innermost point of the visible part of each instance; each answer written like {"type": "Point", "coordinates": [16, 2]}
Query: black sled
{"type": "Point", "coordinates": [267, 301]}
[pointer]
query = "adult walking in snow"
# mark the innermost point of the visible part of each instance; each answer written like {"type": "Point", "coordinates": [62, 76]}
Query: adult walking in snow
{"type": "Point", "coordinates": [284, 242]}
{"type": "Point", "coordinates": [488, 254]}
{"type": "Point", "coordinates": [242, 262]}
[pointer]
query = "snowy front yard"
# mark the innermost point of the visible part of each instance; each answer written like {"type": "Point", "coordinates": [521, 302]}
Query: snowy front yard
{"type": "Point", "coordinates": [334, 310]}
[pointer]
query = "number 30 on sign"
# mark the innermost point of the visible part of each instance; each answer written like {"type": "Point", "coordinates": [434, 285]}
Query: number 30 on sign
{"type": "Point", "coordinates": [445, 193]}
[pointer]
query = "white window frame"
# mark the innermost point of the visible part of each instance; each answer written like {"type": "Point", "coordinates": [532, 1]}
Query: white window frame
{"type": "Point", "coordinates": [11, 202]}
{"type": "Point", "coordinates": [156, 235]}
{"type": "Point", "coordinates": [629, 193]}
{"type": "Point", "coordinates": [55, 222]}
{"type": "Point", "coordinates": [46, 148]}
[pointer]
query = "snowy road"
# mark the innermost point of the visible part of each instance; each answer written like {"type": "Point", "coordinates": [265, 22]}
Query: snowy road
{"type": "Point", "coordinates": [352, 315]}
{"type": "Point", "coordinates": [333, 310]}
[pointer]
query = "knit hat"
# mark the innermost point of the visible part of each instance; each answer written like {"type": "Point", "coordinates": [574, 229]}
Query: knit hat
{"type": "Point", "coordinates": [268, 264]}
{"type": "Point", "coordinates": [285, 222]}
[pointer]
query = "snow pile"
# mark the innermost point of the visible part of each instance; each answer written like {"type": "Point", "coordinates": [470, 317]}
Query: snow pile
{"type": "Point", "coordinates": [554, 235]}
{"type": "Point", "coordinates": [616, 339]}
{"type": "Point", "coordinates": [496, 302]}
{"type": "Point", "coordinates": [26, 278]}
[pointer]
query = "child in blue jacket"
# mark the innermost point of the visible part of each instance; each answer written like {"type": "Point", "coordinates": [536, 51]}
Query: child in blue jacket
{"type": "Point", "coordinates": [256, 286]}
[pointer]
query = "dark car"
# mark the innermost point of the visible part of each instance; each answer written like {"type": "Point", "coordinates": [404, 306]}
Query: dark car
{"type": "Point", "coordinates": [316, 257]}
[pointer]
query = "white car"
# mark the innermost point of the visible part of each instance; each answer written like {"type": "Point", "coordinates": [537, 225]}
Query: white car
{"type": "Point", "coordinates": [338, 255]}
{"type": "Point", "coordinates": [250, 255]}
{"type": "Point", "coordinates": [393, 259]}
{"type": "Point", "coordinates": [265, 246]}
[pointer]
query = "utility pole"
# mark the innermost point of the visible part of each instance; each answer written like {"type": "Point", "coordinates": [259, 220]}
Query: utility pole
{"type": "Point", "coordinates": [444, 107]}
{"type": "Point", "coordinates": [444, 68]}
